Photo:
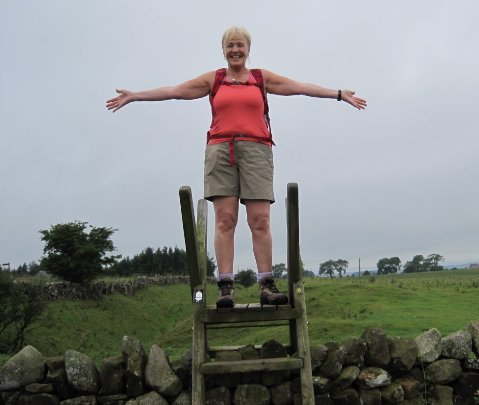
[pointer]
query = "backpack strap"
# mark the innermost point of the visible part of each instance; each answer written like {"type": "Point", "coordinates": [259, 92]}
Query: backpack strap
{"type": "Point", "coordinates": [258, 76]}
{"type": "Point", "coordinates": [219, 77]}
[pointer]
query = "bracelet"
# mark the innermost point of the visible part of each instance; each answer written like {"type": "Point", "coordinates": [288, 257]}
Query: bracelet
{"type": "Point", "coordinates": [339, 95]}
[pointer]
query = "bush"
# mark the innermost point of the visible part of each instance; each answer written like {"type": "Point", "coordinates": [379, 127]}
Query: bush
{"type": "Point", "coordinates": [74, 254]}
{"type": "Point", "coordinates": [246, 278]}
{"type": "Point", "coordinates": [21, 304]}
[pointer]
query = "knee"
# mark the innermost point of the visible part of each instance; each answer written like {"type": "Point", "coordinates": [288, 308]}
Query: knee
{"type": "Point", "coordinates": [259, 222]}
{"type": "Point", "coordinates": [226, 222]}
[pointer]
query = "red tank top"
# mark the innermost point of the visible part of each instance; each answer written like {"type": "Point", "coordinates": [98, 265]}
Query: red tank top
{"type": "Point", "coordinates": [239, 109]}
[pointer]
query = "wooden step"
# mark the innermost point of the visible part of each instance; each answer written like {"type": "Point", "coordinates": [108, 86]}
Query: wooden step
{"type": "Point", "coordinates": [248, 313]}
{"type": "Point", "coordinates": [246, 366]}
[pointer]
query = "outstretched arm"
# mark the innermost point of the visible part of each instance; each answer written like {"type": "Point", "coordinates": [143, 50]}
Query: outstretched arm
{"type": "Point", "coordinates": [282, 86]}
{"type": "Point", "coordinates": [189, 90]}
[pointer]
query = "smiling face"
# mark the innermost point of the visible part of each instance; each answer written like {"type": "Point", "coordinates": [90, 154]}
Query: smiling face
{"type": "Point", "coordinates": [236, 43]}
{"type": "Point", "coordinates": [236, 51]}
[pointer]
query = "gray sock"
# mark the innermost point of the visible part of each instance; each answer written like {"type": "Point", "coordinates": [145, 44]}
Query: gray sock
{"type": "Point", "coordinates": [260, 276]}
{"type": "Point", "coordinates": [222, 276]}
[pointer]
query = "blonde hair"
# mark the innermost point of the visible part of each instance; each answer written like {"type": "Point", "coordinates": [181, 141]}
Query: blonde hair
{"type": "Point", "coordinates": [236, 31]}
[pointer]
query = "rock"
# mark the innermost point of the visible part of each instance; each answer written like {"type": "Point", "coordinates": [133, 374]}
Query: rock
{"type": "Point", "coordinates": [25, 367]}
{"type": "Point", "coordinates": [392, 394]}
{"type": "Point", "coordinates": [318, 356]}
{"type": "Point", "coordinates": [151, 398]}
{"type": "Point", "coordinates": [251, 394]}
{"type": "Point", "coordinates": [412, 388]}
{"type": "Point", "coordinates": [182, 399]}
{"type": "Point", "coordinates": [187, 360]}
{"type": "Point", "coordinates": [471, 365]}
{"type": "Point", "coordinates": [117, 399]}
{"type": "Point", "coordinates": [332, 366]}
{"type": "Point", "coordinates": [183, 373]}
{"type": "Point", "coordinates": [473, 329]}
{"type": "Point", "coordinates": [135, 360]}
{"type": "Point", "coordinates": [457, 345]}
{"type": "Point", "coordinates": [272, 349]}
{"type": "Point", "coordinates": [228, 355]}
{"type": "Point", "coordinates": [346, 397]}
{"type": "Point", "coordinates": [356, 349]}
{"type": "Point", "coordinates": [249, 353]}
{"type": "Point", "coordinates": [467, 385]}
{"type": "Point", "coordinates": [82, 374]}
{"type": "Point", "coordinates": [442, 394]}
{"type": "Point", "coordinates": [373, 377]}
{"type": "Point", "coordinates": [113, 376]}
{"type": "Point", "coordinates": [218, 396]}
{"type": "Point", "coordinates": [159, 375]}
{"type": "Point", "coordinates": [83, 400]}
{"type": "Point", "coordinates": [60, 382]}
{"type": "Point", "coordinates": [251, 378]}
{"type": "Point", "coordinates": [346, 378]}
{"type": "Point", "coordinates": [269, 350]}
{"type": "Point", "coordinates": [323, 399]}
{"type": "Point", "coordinates": [37, 388]}
{"type": "Point", "coordinates": [370, 397]}
{"type": "Point", "coordinates": [228, 380]}
{"type": "Point", "coordinates": [282, 394]}
{"type": "Point", "coordinates": [320, 385]}
{"type": "Point", "coordinates": [443, 371]}
{"type": "Point", "coordinates": [404, 352]}
{"type": "Point", "coordinates": [416, 401]}
{"type": "Point", "coordinates": [378, 348]}
{"type": "Point", "coordinates": [429, 346]}
{"type": "Point", "coordinates": [55, 363]}
{"type": "Point", "coordinates": [37, 399]}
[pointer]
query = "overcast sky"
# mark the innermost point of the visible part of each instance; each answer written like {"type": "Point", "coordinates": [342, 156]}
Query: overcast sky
{"type": "Point", "coordinates": [397, 179]}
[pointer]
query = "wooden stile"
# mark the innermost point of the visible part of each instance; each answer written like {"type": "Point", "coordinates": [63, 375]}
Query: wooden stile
{"type": "Point", "coordinates": [245, 315]}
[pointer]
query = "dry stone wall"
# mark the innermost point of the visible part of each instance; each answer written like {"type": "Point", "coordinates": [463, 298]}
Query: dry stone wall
{"type": "Point", "coordinates": [96, 290]}
{"type": "Point", "coordinates": [370, 369]}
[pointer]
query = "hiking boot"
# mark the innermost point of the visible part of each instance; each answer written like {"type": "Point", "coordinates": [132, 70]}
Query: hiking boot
{"type": "Point", "coordinates": [269, 294]}
{"type": "Point", "coordinates": [227, 288]}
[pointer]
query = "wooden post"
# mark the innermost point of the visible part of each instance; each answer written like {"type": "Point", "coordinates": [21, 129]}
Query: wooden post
{"type": "Point", "coordinates": [196, 268]}
{"type": "Point", "coordinates": [299, 327]}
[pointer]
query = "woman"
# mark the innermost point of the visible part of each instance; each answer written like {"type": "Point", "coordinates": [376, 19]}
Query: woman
{"type": "Point", "coordinates": [238, 158]}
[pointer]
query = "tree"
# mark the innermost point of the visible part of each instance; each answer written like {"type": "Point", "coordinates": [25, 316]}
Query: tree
{"type": "Point", "coordinates": [327, 268]}
{"type": "Point", "coordinates": [389, 266]}
{"type": "Point", "coordinates": [341, 266]}
{"type": "Point", "coordinates": [331, 266]}
{"type": "Point", "coordinates": [246, 278]}
{"type": "Point", "coordinates": [432, 262]}
{"type": "Point", "coordinates": [279, 269]}
{"type": "Point", "coordinates": [21, 304]}
{"type": "Point", "coordinates": [308, 273]}
{"type": "Point", "coordinates": [416, 265]}
{"type": "Point", "coordinates": [74, 254]}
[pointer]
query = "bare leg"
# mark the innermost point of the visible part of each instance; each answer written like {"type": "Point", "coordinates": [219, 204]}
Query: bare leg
{"type": "Point", "coordinates": [258, 214]}
{"type": "Point", "coordinates": [226, 218]}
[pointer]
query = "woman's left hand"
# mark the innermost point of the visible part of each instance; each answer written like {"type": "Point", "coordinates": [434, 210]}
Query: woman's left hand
{"type": "Point", "coordinates": [349, 97]}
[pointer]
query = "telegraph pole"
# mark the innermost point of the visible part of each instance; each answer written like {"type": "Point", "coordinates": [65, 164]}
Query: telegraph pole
{"type": "Point", "coordinates": [359, 267]}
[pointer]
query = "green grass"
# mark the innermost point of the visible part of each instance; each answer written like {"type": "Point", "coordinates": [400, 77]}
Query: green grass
{"type": "Point", "coordinates": [401, 305]}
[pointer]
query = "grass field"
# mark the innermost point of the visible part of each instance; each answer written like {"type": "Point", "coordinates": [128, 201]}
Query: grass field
{"type": "Point", "coordinates": [401, 305]}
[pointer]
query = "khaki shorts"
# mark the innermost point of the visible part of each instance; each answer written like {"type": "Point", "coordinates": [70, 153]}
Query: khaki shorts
{"type": "Point", "coordinates": [250, 179]}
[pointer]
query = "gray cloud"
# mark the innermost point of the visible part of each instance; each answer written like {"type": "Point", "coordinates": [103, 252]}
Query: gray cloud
{"type": "Point", "coordinates": [398, 179]}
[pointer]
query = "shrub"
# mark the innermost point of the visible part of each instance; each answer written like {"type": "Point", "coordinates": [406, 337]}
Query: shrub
{"type": "Point", "coordinates": [246, 278]}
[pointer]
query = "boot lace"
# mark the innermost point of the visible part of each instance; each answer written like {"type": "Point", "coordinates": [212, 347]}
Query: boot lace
{"type": "Point", "coordinates": [271, 286]}
{"type": "Point", "coordinates": [226, 289]}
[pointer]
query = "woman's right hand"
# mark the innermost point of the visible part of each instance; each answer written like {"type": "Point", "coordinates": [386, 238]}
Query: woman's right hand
{"type": "Point", "coordinates": [124, 97]}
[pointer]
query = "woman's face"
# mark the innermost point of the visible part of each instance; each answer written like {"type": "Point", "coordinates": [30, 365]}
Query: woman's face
{"type": "Point", "coordinates": [236, 51]}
